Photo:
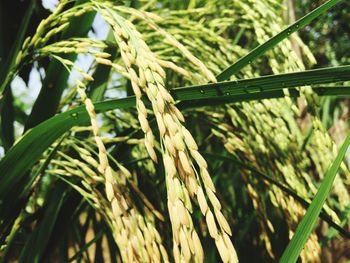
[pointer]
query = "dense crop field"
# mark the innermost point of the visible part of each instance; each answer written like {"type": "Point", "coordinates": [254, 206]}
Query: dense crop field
{"type": "Point", "coordinates": [174, 131]}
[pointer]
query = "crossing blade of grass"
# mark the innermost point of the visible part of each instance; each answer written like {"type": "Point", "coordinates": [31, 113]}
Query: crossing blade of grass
{"type": "Point", "coordinates": [323, 215]}
{"type": "Point", "coordinates": [30, 148]}
{"type": "Point", "coordinates": [261, 49]}
{"type": "Point", "coordinates": [275, 94]}
{"type": "Point", "coordinates": [226, 89]}
{"type": "Point", "coordinates": [307, 224]}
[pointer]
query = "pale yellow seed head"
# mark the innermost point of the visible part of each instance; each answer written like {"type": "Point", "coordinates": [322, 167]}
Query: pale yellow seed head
{"type": "Point", "coordinates": [160, 102]}
{"type": "Point", "coordinates": [169, 165]}
{"type": "Point", "coordinates": [119, 223]}
{"type": "Point", "coordinates": [156, 235]}
{"type": "Point", "coordinates": [185, 249]}
{"type": "Point", "coordinates": [164, 253]}
{"type": "Point", "coordinates": [142, 63]}
{"type": "Point", "coordinates": [229, 245]}
{"type": "Point", "coordinates": [140, 237]}
{"type": "Point", "coordinates": [175, 220]}
{"type": "Point", "coordinates": [135, 243]}
{"type": "Point", "coordinates": [25, 43]}
{"type": "Point", "coordinates": [190, 142]}
{"type": "Point", "coordinates": [130, 252]}
{"type": "Point", "coordinates": [178, 142]}
{"type": "Point", "coordinates": [203, 205]}
{"type": "Point", "coordinates": [178, 188]}
{"type": "Point", "coordinates": [83, 152]}
{"type": "Point", "coordinates": [103, 61]}
{"type": "Point", "coordinates": [180, 170]}
{"type": "Point", "coordinates": [153, 90]}
{"type": "Point", "coordinates": [213, 199]}
{"type": "Point", "coordinates": [133, 52]}
{"type": "Point", "coordinates": [160, 123]}
{"type": "Point", "coordinates": [192, 185]}
{"type": "Point", "coordinates": [123, 202]}
{"type": "Point", "coordinates": [213, 230]}
{"type": "Point", "coordinates": [109, 174]}
{"type": "Point", "coordinates": [222, 222]}
{"type": "Point", "coordinates": [103, 161]}
{"type": "Point", "coordinates": [103, 55]}
{"type": "Point", "coordinates": [86, 185]}
{"type": "Point", "coordinates": [116, 208]}
{"type": "Point", "coordinates": [197, 246]}
{"type": "Point", "coordinates": [154, 105]}
{"type": "Point", "coordinates": [156, 253]}
{"type": "Point", "coordinates": [169, 145]}
{"type": "Point", "coordinates": [169, 98]}
{"type": "Point", "coordinates": [177, 112]}
{"type": "Point", "coordinates": [126, 60]}
{"type": "Point", "coordinates": [124, 237]}
{"type": "Point", "coordinates": [125, 171]}
{"type": "Point", "coordinates": [123, 46]}
{"type": "Point", "coordinates": [150, 57]}
{"type": "Point", "coordinates": [151, 151]}
{"type": "Point", "coordinates": [158, 78]}
{"type": "Point", "coordinates": [140, 221]}
{"type": "Point", "coordinates": [109, 191]}
{"type": "Point", "coordinates": [160, 71]}
{"type": "Point", "coordinates": [185, 162]}
{"type": "Point", "coordinates": [141, 107]}
{"type": "Point", "coordinates": [89, 105]}
{"type": "Point", "coordinates": [99, 143]}
{"type": "Point", "coordinates": [142, 79]}
{"type": "Point", "coordinates": [207, 179]}
{"type": "Point", "coordinates": [223, 251]}
{"type": "Point", "coordinates": [130, 57]}
{"type": "Point", "coordinates": [147, 235]}
{"type": "Point", "coordinates": [136, 89]}
{"type": "Point", "coordinates": [190, 241]}
{"type": "Point", "coordinates": [133, 75]}
{"type": "Point", "coordinates": [134, 141]}
{"type": "Point", "coordinates": [181, 213]}
{"type": "Point", "coordinates": [199, 159]}
{"type": "Point", "coordinates": [150, 138]}
{"type": "Point", "coordinates": [163, 91]}
{"type": "Point", "coordinates": [187, 199]}
{"type": "Point", "coordinates": [170, 124]}
{"type": "Point", "coordinates": [145, 256]}
{"type": "Point", "coordinates": [176, 253]}
{"type": "Point", "coordinates": [149, 76]}
{"type": "Point", "coordinates": [143, 122]}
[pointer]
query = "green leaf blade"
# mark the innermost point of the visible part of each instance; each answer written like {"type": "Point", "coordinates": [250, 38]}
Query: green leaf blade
{"type": "Point", "coordinates": [308, 222]}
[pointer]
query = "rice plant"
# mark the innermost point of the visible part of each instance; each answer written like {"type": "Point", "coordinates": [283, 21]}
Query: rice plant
{"type": "Point", "coordinates": [190, 131]}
